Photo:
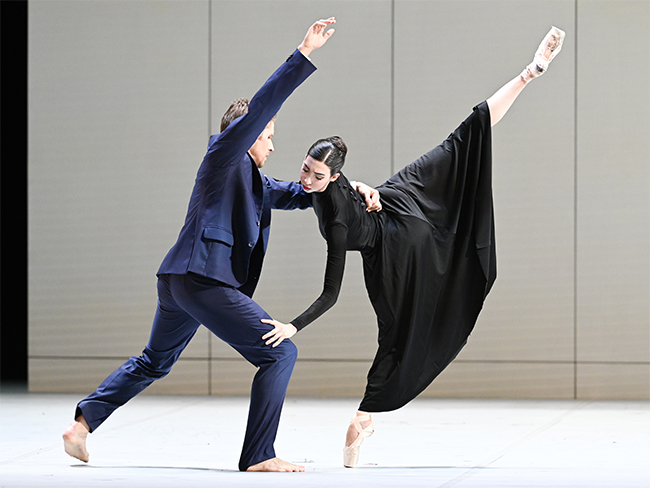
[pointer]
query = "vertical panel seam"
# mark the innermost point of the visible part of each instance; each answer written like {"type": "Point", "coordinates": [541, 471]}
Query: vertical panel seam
{"type": "Point", "coordinates": [209, 376]}
{"type": "Point", "coordinates": [392, 89]}
{"type": "Point", "coordinates": [575, 206]}
{"type": "Point", "coordinates": [209, 68]}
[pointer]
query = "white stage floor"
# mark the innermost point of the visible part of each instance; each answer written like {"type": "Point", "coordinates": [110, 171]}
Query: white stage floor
{"type": "Point", "coordinates": [195, 441]}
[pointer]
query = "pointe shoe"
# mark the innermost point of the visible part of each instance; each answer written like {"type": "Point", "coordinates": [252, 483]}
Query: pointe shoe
{"type": "Point", "coordinates": [351, 452]}
{"type": "Point", "coordinates": [547, 50]}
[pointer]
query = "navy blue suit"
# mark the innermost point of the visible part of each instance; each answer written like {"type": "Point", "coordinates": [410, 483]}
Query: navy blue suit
{"type": "Point", "coordinates": [209, 275]}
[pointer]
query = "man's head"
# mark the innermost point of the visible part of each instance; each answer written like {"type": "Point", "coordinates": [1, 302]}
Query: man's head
{"type": "Point", "coordinates": [263, 146]}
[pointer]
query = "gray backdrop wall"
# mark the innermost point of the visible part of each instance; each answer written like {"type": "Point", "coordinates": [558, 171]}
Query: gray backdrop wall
{"type": "Point", "coordinates": [124, 94]}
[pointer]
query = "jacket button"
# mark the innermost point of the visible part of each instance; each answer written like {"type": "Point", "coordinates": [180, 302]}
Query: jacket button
{"type": "Point", "coordinates": [250, 244]}
{"type": "Point", "coordinates": [258, 223]}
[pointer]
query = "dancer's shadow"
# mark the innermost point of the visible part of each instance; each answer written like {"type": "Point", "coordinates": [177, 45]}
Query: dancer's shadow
{"type": "Point", "coordinates": [182, 468]}
{"type": "Point", "coordinates": [358, 468]}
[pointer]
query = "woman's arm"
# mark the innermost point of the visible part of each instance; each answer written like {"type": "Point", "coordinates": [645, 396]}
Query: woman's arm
{"type": "Point", "coordinates": [336, 249]}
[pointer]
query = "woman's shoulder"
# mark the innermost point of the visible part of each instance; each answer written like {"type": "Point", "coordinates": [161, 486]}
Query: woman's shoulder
{"type": "Point", "coordinates": [331, 204]}
{"type": "Point", "coordinates": [341, 188]}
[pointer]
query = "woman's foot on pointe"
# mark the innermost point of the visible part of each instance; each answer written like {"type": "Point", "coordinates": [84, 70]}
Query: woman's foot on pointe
{"type": "Point", "coordinates": [360, 428]}
{"type": "Point", "coordinates": [74, 441]}
{"type": "Point", "coordinates": [276, 465]}
{"type": "Point", "coordinates": [550, 46]}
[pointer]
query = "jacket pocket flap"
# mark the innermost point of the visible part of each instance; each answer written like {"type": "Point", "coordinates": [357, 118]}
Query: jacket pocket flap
{"type": "Point", "coordinates": [218, 234]}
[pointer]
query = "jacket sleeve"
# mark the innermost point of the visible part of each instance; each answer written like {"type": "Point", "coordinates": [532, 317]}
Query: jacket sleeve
{"type": "Point", "coordinates": [286, 195]}
{"type": "Point", "coordinates": [228, 146]}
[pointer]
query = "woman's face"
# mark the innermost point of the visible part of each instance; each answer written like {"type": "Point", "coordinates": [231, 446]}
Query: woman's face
{"type": "Point", "coordinates": [315, 175]}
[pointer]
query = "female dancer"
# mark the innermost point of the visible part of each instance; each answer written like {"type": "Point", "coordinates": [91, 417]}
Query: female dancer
{"type": "Point", "coordinates": [429, 258]}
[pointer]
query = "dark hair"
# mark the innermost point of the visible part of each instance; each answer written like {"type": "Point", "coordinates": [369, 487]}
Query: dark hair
{"type": "Point", "coordinates": [331, 151]}
{"type": "Point", "coordinates": [237, 108]}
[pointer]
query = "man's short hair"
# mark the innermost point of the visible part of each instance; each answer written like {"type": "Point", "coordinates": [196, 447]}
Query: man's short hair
{"type": "Point", "coordinates": [237, 108]}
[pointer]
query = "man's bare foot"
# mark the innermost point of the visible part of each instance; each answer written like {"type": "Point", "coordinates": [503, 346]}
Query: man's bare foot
{"type": "Point", "coordinates": [276, 465]}
{"type": "Point", "coordinates": [74, 440]}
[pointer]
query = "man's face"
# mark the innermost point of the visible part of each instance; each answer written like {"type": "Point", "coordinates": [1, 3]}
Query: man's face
{"type": "Point", "coordinates": [263, 146]}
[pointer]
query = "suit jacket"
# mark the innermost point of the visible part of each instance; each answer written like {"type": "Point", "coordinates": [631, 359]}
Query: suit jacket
{"type": "Point", "coordinates": [226, 229]}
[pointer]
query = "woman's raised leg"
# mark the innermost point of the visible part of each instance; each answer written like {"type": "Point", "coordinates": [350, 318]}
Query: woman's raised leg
{"type": "Point", "coordinates": [502, 100]}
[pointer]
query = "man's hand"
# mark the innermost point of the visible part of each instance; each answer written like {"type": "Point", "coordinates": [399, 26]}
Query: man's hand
{"type": "Point", "coordinates": [316, 36]}
{"type": "Point", "coordinates": [370, 194]}
{"type": "Point", "coordinates": [279, 333]}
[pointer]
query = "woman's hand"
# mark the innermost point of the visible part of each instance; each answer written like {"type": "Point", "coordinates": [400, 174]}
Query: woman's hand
{"type": "Point", "coordinates": [316, 36]}
{"type": "Point", "coordinates": [279, 333]}
{"type": "Point", "coordinates": [370, 194]}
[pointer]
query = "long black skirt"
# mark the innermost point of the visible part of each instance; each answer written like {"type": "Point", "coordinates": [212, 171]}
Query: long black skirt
{"type": "Point", "coordinates": [434, 264]}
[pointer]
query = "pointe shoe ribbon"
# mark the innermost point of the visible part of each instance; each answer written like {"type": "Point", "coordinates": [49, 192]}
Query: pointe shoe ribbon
{"type": "Point", "coordinates": [550, 46]}
{"type": "Point", "coordinates": [351, 452]}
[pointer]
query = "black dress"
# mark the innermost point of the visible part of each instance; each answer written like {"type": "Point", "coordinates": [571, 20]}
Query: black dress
{"type": "Point", "coordinates": [429, 259]}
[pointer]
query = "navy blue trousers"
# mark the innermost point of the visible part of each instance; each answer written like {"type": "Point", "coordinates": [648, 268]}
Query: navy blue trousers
{"type": "Point", "coordinates": [184, 303]}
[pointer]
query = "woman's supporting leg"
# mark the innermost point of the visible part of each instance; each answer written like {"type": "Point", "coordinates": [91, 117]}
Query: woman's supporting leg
{"type": "Point", "coordinates": [360, 428]}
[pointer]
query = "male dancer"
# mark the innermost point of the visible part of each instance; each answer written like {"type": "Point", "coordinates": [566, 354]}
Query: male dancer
{"type": "Point", "coordinates": [209, 275]}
